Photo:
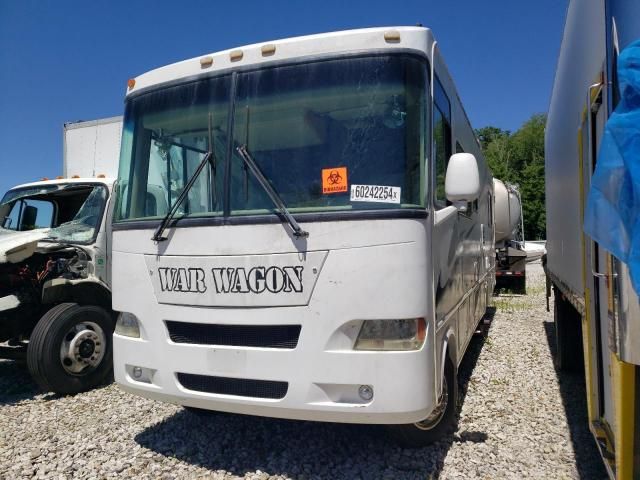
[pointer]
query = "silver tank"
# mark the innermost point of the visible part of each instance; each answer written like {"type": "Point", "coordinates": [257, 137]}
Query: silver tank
{"type": "Point", "coordinates": [507, 211]}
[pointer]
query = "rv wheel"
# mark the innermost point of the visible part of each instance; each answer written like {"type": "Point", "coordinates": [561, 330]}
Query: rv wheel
{"type": "Point", "coordinates": [70, 348]}
{"type": "Point", "coordinates": [439, 423]}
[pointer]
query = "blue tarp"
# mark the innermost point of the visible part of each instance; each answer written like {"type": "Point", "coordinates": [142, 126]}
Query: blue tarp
{"type": "Point", "coordinates": [612, 216]}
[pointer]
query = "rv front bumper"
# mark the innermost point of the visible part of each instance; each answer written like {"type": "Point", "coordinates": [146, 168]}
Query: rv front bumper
{"type": "Point", "coordinates": [333, 387]}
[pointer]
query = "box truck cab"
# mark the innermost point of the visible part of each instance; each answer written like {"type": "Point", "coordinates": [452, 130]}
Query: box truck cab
{"type": "Point", "coordinates": [320, 252]}
{"type": "Point", "coordinates": [55, 298]}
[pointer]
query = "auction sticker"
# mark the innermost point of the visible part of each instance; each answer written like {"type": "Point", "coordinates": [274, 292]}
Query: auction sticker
{"type": "Point", "coordinates": [375, 193]}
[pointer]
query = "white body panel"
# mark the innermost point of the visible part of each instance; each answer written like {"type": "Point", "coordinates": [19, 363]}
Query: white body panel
{"type": "Point", "coordinates": [437, 266]}
{"type": "Point", "coordinates": [395, 288]}
{"type": "Point", "coordinates": [92, 148]}
{"type": "Point", "coordinates": [584, 32]}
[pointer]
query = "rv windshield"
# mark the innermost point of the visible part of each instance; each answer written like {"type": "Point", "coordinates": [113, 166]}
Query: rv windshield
{"type": "Point", "coordinates": [335, 135]}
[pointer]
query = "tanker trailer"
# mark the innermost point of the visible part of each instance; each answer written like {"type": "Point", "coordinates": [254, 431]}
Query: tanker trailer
{"type": "Point", "coordinates": [511, 257]}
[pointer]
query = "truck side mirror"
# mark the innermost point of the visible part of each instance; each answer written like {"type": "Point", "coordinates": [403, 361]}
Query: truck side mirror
{"type": "Point", "coordinates": [462, 182]}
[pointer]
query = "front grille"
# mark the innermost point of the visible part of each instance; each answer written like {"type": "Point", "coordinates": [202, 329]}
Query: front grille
{"type": "Point", "coordinates": [240, 387]}
{"type": "Point", "coordinates": [266, 336]}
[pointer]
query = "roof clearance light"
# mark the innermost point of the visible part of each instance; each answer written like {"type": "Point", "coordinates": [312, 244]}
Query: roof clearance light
{"type": "Point", "coordinates": [75, 176]}
{"type": "Point", "coordinates": [101, 175]}
{"type": "Point", "coordinates": [206, 62]}
{"type": "Point", "coordinates": [131, 83]}
{"type": "Point", "coordinates": [268, 50]}
{"type": "Point", "coordinates": [44, 179]}
{"type": "Point", "coordinates": [236, 55]}
{"type": "Point", "coordinates": [392, 36]}
{"type": "Point", "coordinates": [59, 177]}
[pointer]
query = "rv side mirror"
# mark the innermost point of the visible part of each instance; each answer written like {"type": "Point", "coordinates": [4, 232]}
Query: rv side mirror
{"type": "Point", "coordinates": [462, 182]}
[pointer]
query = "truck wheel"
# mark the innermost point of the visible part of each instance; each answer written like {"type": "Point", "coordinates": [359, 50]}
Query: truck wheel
{"type": "Point", "coordinates": [569, 355]}
{"type": "Point", "coordinates": [70, 348]}
{"type": "Point", "coordinates": [439, 423]}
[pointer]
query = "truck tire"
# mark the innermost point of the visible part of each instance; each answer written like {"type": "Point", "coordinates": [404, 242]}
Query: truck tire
{"type": "Point", "coordinates": [70, 349]}
{"type": "Point", "coordinates": [441, 421]}
{"type": "Point", "coordinates": [568, 329]}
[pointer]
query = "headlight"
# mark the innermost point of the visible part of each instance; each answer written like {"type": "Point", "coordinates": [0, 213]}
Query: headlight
{"type": "Point", "coordinates": [128, 325]}
{"type": "Point", "coordinates": [391, 334]}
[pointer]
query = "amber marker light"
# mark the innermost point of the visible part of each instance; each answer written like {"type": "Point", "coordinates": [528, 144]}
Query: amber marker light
{"type": "Point", "coordinates": [206, 62]}
{"type": "Point", "coordinates": [392, 36]}
{"type": "Point", "coordinates": [131, 83]}
{"type": "Point", "coordinates": [268, 50]}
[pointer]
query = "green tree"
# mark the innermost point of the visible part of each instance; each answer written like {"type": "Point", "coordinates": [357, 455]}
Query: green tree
{"type": "Point", "coordinates": [518, 158]}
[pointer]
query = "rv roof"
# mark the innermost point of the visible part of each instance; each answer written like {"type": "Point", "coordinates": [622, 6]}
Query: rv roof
{"type": "Point", "coordinates": [419, 39]}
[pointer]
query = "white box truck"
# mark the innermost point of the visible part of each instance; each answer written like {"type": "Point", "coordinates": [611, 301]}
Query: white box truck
{"type": "Point", "coordinates": [596, 312]}
{"type": "Point", "coordinates": [55, 299]}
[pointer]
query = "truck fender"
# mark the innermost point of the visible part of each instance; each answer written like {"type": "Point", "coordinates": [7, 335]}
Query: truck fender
{"type": "Point", "coordinates": [448, 348]}
{"type": "Point", "coordinates": [82, 292]}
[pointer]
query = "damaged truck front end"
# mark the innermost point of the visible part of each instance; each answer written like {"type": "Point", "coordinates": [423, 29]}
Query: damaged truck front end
{"type": "Point", "coordinates": [55, 302]}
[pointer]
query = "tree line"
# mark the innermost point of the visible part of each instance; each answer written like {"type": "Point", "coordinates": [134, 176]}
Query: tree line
{"type": "Point", "coordinates": [518, 158]}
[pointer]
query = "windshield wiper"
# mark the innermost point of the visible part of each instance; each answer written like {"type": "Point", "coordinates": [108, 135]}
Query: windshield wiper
{"type": "Point", "coordinates": [208, 158]}
{"type": "Point", "coordinates": [271, 192]}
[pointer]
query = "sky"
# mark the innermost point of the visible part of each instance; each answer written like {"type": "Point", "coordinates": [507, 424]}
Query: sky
{"type": "Point", "coordinates": [69, 60]}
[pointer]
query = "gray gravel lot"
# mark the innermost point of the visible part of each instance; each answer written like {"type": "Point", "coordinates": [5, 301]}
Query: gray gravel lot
{"type": "Point", "coordinates": [518, 419]}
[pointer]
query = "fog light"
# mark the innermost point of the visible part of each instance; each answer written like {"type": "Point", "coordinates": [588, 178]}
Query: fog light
{"type": "Point", "coordinates": [365, 392]}
{"type": "Point", "coordinates": [127, 325]}
{"type": "Point", "coordinates": [140, 374]}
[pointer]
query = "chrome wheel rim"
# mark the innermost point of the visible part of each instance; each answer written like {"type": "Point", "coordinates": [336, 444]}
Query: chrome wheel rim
{"type": "Point", "coordinates": [83, 348]}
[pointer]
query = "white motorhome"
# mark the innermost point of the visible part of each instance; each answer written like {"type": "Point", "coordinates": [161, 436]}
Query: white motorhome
{"type": "Point", "coordinates": [320, 251]}
{"type": "Point", "coordinates": [55, 299]}
{"type": "Point", "coordinates": [597, 313]}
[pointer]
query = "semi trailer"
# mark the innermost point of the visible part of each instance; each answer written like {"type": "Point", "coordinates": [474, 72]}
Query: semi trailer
{"type": "Point", "coordinates": [596, 310]}
{"type": "Point", "coordinates": [511, 256]}
{"type": "Point", "coordinates": [55, 299]}
{"type": "Point", "coordinates": [319, 251]}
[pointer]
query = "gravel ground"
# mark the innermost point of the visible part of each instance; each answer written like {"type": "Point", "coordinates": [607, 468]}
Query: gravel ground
{"type": "Point", "coordinates": [518, 420]}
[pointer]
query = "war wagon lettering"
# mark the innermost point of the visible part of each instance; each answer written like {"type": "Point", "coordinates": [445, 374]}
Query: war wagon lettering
{"type": "Point", "coordinates": [191, 280]}
{"type": "Point", "coordinates": [258, 279]}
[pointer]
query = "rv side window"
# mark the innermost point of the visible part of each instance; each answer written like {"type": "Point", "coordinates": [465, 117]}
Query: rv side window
{"type": "Point", "coordinates": [441, 141]}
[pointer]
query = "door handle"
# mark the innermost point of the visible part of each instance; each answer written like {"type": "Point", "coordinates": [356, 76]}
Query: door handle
{"type": "Point", "coordinates": [603, 275]}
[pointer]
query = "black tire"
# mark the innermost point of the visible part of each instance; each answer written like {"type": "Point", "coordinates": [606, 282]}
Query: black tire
{"type": "Point", "coordinates": [44, 350]}
{"type": "Point", "coordinates": [568, 328]}
{"type": "Point", "coordinates": [412, 436]}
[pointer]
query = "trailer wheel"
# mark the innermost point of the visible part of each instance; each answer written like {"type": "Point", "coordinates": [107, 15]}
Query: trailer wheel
{"type": "Point", "coordinates": [568, 329]}
{"type": "Point", "coordinates": [70, 349]}
{"type": "Point", "coordinates": [439, 423]}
